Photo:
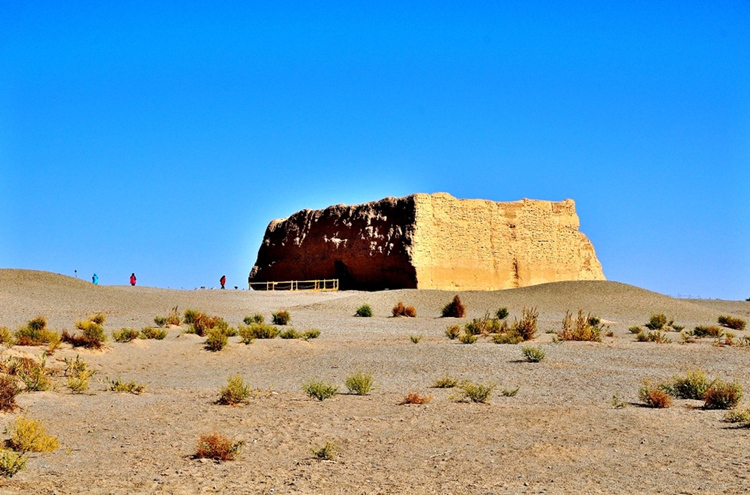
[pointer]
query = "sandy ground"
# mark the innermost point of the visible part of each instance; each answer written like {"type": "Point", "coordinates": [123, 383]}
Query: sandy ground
{"type": "Point", "coordinates": [559, 434]}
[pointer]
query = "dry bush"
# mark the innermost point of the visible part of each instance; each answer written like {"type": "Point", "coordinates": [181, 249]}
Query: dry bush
{"type": "Point", "coordinates": [454, 309]}
{"type": "Point", "coordinates": [415, 339]}
{"type": "Point", "coordinates": [655, 336]}
{"type": "Point", "coordinates": [692, 386]}
{"type": "Point", "coordinates": [125, 334]}
{"type": "Point", "coordinates": [79, 374]}
{"type": "Point", "coordinates": [400, 310]}
{"type": "Point", "coordinates": [257, 331]}
{"type": "Point", "coordinates": [708, 331]}
{"type": "Point", "coordinates": [160, 321]}
{"type": "Point", "coordinates": [202, 323]}
{"type": "Point", "coordinates": [36, 333]}
{"type": "Point", "coordinates": [467, 338]}
{"type": "Point", "coordinates": [30, 435]}
{"type": "Point", "coordinates": [152, 333]}
{"type": "Point", "coordinates": [502, 313]}
{"type": "Point", "coordinates": [737, 416]}
{"type": "Point", "coordinates": [533, 354]}
{"type": "Point", "coordinates": [656, 322]}
{"type": "Point", "coordinates": [189, 316]}
{"type": "Point", "coordinates": [313, 333]}
{"type": "Point", "coordinates": [216, 339]}
{"type": "Point", "coordinates": [446, 382]}
{"type": "Point", "coordinates": [654, 396]}
{"type": "Point", "coordinates": [92, 334]}
{"type": "Point", "coordinates": [415, 398]}
{"type": "Point", "coordinates": [452, 331]}
{"type": "Point", "coordinates": [290, 334]}
{"type": "Point", "coordinates": [722, 395]}
{"type": "Point", "coordinates": [235, 392]}
{"type": "Point", "coordinates": [173, 318]}
{"type": "Point", "coordinates": [586, 328]}
{"type": "Point", "coordinates": [35, 376]}
{"type": "Point", "coordinates": [507, 338]}
{"type": "Point", "coordinates": [526, 327]}
{"type": "Point", "coordinates": [325, 453]}
{"type": "Point", "coordinates": [218, 447]}
{"type": "Point", "coordinates": [8, 392]}
{"type": "Point", "coordinates": [256, 318]}
{"type": "Point", "coordinates": [281, 317]}
{"type": "Point", "coordinates": [732, 322]}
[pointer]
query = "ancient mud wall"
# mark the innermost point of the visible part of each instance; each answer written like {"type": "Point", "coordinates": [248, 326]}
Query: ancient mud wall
{"type": "Point", "coordinates": [430, 242]}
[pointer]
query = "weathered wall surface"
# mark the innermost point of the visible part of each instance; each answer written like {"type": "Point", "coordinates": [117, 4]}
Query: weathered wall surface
{"type": "Point", "coordinates": [430, 242]}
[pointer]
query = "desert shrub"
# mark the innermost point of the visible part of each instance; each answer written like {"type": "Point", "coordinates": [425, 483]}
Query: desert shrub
{"type": "Point", "coordinates": [365, 311]}
{"type": "Point", "coordinates": [678, 328]}
{"type": "Point", "coordinates": [160, 321]}
{"type": "Point", "coordinates": [281, 317]}
{"type": "Point", "coordinates": [247, 335]}
{"type": "Point", "coordinates": [692, 386]}
{"type": "Point", "coordinates": [15, 365]}
{"type": "Point", "coordinates": [618, 403]}
{"type": "Point", "coordinates": [258, 331]}
{"type": "Point", "coordinates": [510, 392]}
{"type": "Point", "coordinates": [290, 333]}
{"type": "Point", "coordinates": [30, 435]}
{"type": "Point", "coordinates": [656, 322]}
{"type": "Point", "coordinates": [98, 318]}
{"type": "Point", "coordinates": [36, 333]}
{"type": "Point", "coordinates": [6, 337]}
{"type": "Point", "coordinates": [325, 453]}
{"type": "Point", "coordinates": [732, 322]}
{"type": "Point", "coordinates": [235, 391]}
{"type": "Point", "coordinates": [35, 376]}
{"type": "Point", "coordinates": [415, 339]}
{"type": "Point", "coordinates": [526, 327]}
{"type": "Point", "coordinates": [256, 318]}
{"type": "Point", "coordinates": [320, 390]}
{"type": "Point", "coordinates": [635, 330]}
{"type": "Point", "coordinates": [654, 396]}
{"type": "Point", "coordinates": [415, 398]}
{"type": "Point", "coordinates": [313, 333]}
{"type": "Point", "coordinates": [400, 310]}
{"type": "Point", "coordinates": [452, 331]}
{"type": "Point", "coordinates": [152, 333]}
{"type": "Point", "coordinates": [202, 323]}
{"type": "Point", "coordinates": [92, 335]}
{"type": "Point", "coordinates": [11, 463]}
{"type": "Point", "coordinates": [507, 338]}
{"type": "Point", "coordinates": [131, 387]}
{"type": "Point", "coordinates": [533, 354]}
{"type": "Point", "coordinates": [722, 395]}
{"type": "Point", "coordinates": [655, 336]}
{"type": "Point", "coordinates": [38, 323]}
{"type": "Point", "coordinates": [217, 447]}
{"type": "Point", "coordinates": [359, 383]}
{"type": "Point", "coordinates": [445, 382]}
{"type": "Point", "coordinates": [189, 316]}
{"type": "Point", "coordinates": [586, 328]}
{"type": "Point", "coordinates": [216, 340]}
{"type": "Point", "coordinates": [708, 331]}
{"type": "Point", "coordinates": [454, 309]}
{"type": "Point", "coordinates": [737, 416]}
{"type": "Point", "coordinates": [125, 334]}
{"type": "Point", "coordinates": [467, 338]}
{"type": "Point", "coordinates": [173, 318]}
{"type": "Point", "coordinates": [8, 392]}
{"type": "Point", "coordinates": [502, 313]}
{"type": "Point", "coordinates": [475, 392]}
{"type": "Point", "coordinates": [78, 373]}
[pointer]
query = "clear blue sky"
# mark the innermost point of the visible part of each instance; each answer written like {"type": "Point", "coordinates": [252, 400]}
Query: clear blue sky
{"type": "Point", "coordinates": [162, 137]}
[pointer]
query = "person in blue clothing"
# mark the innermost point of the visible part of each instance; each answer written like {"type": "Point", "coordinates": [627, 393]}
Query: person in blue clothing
{"type": "Point", "coordinates": [95, 279]}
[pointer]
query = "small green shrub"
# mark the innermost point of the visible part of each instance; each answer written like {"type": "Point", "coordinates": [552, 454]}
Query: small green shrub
{"type": "Point", "coordinates": [359, 383]}
{"type": "Point", "coordinates": [654, 396]}
{"type": "Point", "coordinates": [216, 340]}
{"type": "Point", "coordinates": [655, 336]}
{"type": "Point", "coordinates": [189, 316]}
{"type": "Point", "coordinates": [510, 392]}
{"type": "Point", "coordinates": [692, 386]}
{"type": "Point", "coordinates": [656, 322]}
{"type": "Point", "coordinates": [131, 387]}
{"type": "Point", "coordinates": [732, 322]}
{"type": "Point", "coordinates": [445, 382]}
{"type": "Point", "coordinates": [79, 374]}
{"type": "Point", "coordinates": [257, 331]}
{"type": "Point", "coordinates": [635, 330]}
{"type": "Point", "coordinates": [415, 339]}
{"type": "Point", "coordinates": [281, 317]}
{"type": "Point", "coordinates": [325, 453]}
{"type": "Point", "coordinates": [217, 447]}
{"type": "Point", "coordinates": [152, 333]}
{"type": "Point", "coordinates": [125, 334]}
{"type": "Point", "coordinates": [256, 318]}
{"type": "Point", "coordinates": [320, 390]}
{"type": "Point", "coordinates": [235, 392]}
{"type": "Point", "coordinates": [708, 331]}
{"type": "Point", "coordinates": [98, 318]}
{"type": "Point", "coordinates": [35, 376]}
{"type": "Point", "coordinates": [36, 333]}
{"type": "Point", "coordinates": [6, 337]}
{"type": "Point", "coordinates": [722, 395]}
{"type": "Point", "coordinates": [290, 333]}
{"type": "Point", "coordinates": [507, 338]}
{"type": "Point", "coordinates": [454, 309]}
{"type": "Point", "coordinates": [737, 416]}
{"type": "Point", "coordinates": [533, 354]}
{"type": "Point", "coordinates": [452, 331]}
{"type": "Point", "coordinates": [502, 313]}
{"type": "Point", "coordinates": [11, 463]}
{"type": "Point", "coordinates": [313, 333]}
{"type": "Point", "coordinates": [92, 334]}
{"type": "Point", "coordinates": [365, 311]}
{"type": "Point", "coordinates": [475, 392]}
{"type": "Point", "coordinates": [617, 403]}
{"type": "Point", "coordinates": [30, 435]}
{"type": "Point", "coordinates": [160, 320]}
{"type": "Point", "coordinates": [36, 324]}
{"type": "Point", "coordinates": [467, 338]}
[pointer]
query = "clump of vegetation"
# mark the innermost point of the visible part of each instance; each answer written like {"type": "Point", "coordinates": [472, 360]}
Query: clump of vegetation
{"type": "Point", "coordinates": [152, 333]}
{"type": "Point", "coordinates": [325, 453]}
{"type": "Point", "coordinates": [452, 331]}
{"type": "Point", "coordinates": [533, 354]}
{"type": "Point", "coordinates": [502, 313]}
{"type": "Point", "coordinates": [35, 376]}
{"type": "Point", "coordinates": [359, 383]}
{"type": "Point", "coordinates": [92, 334]}
{"type": "Point", "coordinates": [173, 318]}
{"type": "Point", "coordinates": [256, 318]}
{"type": "Point", "coordinates": [217, 447]}
{"type": "Point", "coordinates": [257, 331]}
{"type": "Point", "coordinates": [454, 309]}
{"type": "Point", "coordinates": [36, 333]}
{"type": "Point", "coordinates": [216, 339]}
{"type": "Point", "coordinates": [618, 403]}
{"type": "Point", "coordinates": [6, 337]}
{"type": "Point", "coordinates": [485, 325]}
{"type": "Point", "coordinates": [281, 317]}
{"type": "Point", "coordinates": [655, 336]}
{"type": "Point", "coordinates": [415, 398]}
{"type": "Point", "coordinates": [586, 328]}
{"type": "Point", "coordinates": [189, 316]}
{"type": "Point", "coordinates": [160, 321]}
{"type": "Point", "coordinates": [722, 395]}
{"type": "Point", "coordinates": [8, 392]}
{"type": "Point", "coordinates": [30, 435]}
{"type": "Point", "coordinates": [313, 333]}
{"type": "Point", "coordinates": [320, 390]}
{"type": "Point", "coordinates": [635, 330]}
{"type": "Point", "coordinates": [737, 416]}
{"type": "Point", "coordinates": [365, 311]}
{"type": "Point", "coordinates": [11, 463]}
{"type": "Point", "coordinates": [235, 391]}
{"type": "Point", "coordinates": [510, 392]}
{"type": "Point", "coordinates": [507, 338]}
{"type": "Point", "coordinates": [654, 396]}
{"type": "Point", "coordinates": [131, 387]}
{"type": "Point", "coordinates": [693, 386]}
{"type": "Point", "coordinates": [526, 327]}
{"type": "Point", "coordinates": [202, 323]}
{"type": "Point", "coordinates": [732, 322]}
{"type": "Point", "coordinates": [79, 374]}
{"type": "Point", "coordinates": [415, 339]}
{"type": "Point", "coordinates": [656, 322]}
{"type": "Point", "coordinates": [475, 392]}
{"type": "Point", "coordinates": [707, 331]}
{"type": "Point", "coordinates": [446, 382]}
{"type": "Point", "coordinates": [467, 338]}
{"type": "Point", "coordinates": [290, 333]}
{"type": "Point", "coordinates": [125, 334]}
{"type": "Point", "coordinates": [400, 310]}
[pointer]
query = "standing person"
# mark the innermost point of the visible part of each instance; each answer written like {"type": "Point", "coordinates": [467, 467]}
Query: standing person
{"type": "Point", "coordinates": [132, 279]}
{"type": "Point", "coordinates": [95, 279]}
{"type": "Point", "coordinates": [223, 280]}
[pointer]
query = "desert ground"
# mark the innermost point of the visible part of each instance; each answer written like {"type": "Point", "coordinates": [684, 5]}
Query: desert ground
{"type": "Point", "coordinates": [559, 434]}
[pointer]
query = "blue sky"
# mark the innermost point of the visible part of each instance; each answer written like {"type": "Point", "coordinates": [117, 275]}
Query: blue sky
{"type": "Point", "coordinates": [161, 138]}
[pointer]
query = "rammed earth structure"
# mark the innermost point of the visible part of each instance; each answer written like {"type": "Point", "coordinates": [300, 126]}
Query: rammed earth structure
{"type": "Point", "coordinates": [430, 241]}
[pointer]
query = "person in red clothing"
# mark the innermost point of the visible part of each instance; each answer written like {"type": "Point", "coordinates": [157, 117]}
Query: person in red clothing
{"type": "Point", "coordinates": [132, 279]}
{"type": "Point", "coordinates": [223, 280]}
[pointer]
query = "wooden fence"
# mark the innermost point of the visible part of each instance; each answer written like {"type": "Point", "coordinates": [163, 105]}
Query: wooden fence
{"type": "Point", "coordinates": [297, 285]}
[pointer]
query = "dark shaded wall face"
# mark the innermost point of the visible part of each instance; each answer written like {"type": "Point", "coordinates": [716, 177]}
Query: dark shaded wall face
{"type": "Point", "coordinates": [367, 247]}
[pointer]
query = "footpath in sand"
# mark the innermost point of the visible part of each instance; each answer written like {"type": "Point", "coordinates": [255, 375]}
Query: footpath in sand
{"type": "Point", "coordinates": [559, 434]}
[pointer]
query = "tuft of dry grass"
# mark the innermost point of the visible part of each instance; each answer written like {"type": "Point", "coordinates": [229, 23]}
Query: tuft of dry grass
{"type": "Point", "coordinates": [36, 333]}
{"type": "Point", "coordinates": [446, 382]}
{"type": "Point", "coordinates": [454, 309]}
{"type": "Point", "coordinates": [217, 447]}
{"type": "Point", "coordinates": [475, 392]}
{"type": "Point", "coordinates": [320, 390]}
{"type": "Point", "coordinates": [415, 398]}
